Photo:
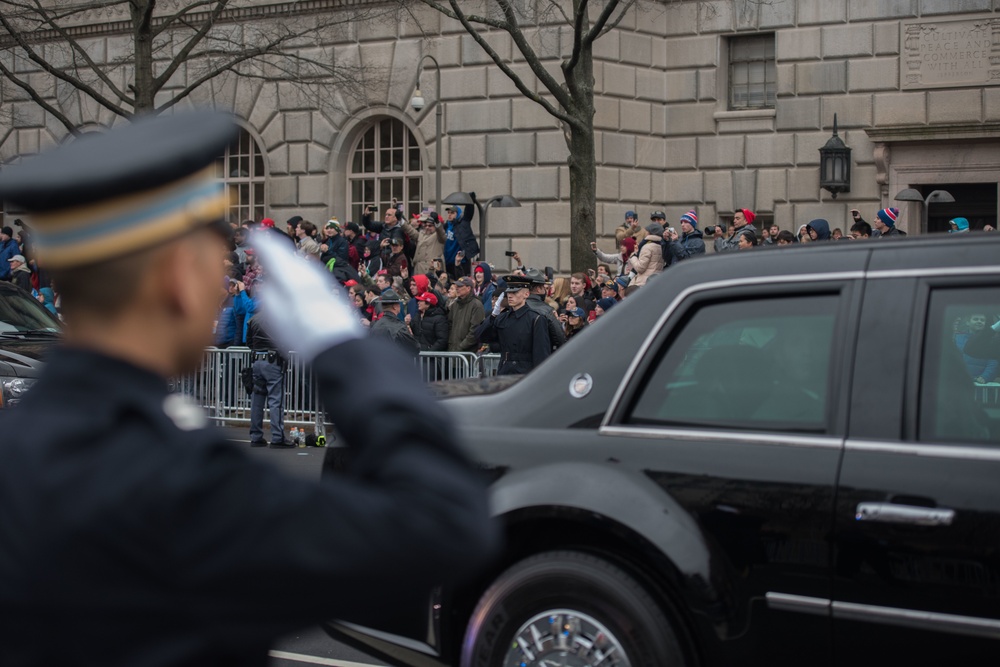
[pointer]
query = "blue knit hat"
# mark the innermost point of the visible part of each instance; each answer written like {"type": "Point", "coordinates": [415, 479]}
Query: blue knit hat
{"type": "Point", "coordinates": [888, 216]}
{"type": "Point", "coordinates": [607, 303]}
{"type": "Point", "coordinates": [691, 217]}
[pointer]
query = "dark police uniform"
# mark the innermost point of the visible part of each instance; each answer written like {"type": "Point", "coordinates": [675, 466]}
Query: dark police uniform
{"type": "Point", "coordinates": [140, 536]}
{"type": "Point", "coordinates": [537, 304]}
{"type": "Point", "coordinates": [268, 385]}
{"type": "Point", "coordinates": [522, 335]}
{"type": "Point", "coordinates": [392, 328]}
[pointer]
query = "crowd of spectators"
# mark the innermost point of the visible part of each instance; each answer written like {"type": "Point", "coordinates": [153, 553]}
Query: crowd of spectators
{"type": "Point", "coordinates": [415, 280]}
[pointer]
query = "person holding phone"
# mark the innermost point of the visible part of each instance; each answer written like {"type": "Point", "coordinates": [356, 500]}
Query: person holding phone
{"type": "Point", "coordinates": [460, 246]}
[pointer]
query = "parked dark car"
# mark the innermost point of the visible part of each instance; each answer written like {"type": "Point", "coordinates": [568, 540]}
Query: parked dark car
{"type": "Point", "coordinates": [780, 457]}
{"type": "Point", "coordinates": [27, 334]}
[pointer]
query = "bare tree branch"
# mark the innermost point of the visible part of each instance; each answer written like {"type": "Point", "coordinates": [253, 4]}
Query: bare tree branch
{"type": "Point", "coordinates": [48, 20]}
{"type": "Point", "coordinates": [55, 72]}
{"type": "Point", "coordinates": [184, 54]}
{"type": "Point", "coordinates": [38, 99]}
{"type": "Point", "coordinates": [579, 23]}
{"type": "Point", "coordinates": [625, 6]}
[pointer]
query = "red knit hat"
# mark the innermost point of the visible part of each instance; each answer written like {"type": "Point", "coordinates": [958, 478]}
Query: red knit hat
{"type": "Point", "coordinates": [267, 222]}
{"type": "Point", "coordinates": [749, 215]}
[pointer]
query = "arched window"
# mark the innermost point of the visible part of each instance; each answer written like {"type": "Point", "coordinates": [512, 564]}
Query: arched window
{"type": "Point", "coordinates": [241, 167]}
{"type": "Point", "coordinates": [385, 164]}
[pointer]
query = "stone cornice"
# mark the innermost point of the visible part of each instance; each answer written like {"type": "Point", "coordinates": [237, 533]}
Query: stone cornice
{"type": "Point", "coordinates": [941, 132]}
{"type": "Point", "coordinates": [113, 25]}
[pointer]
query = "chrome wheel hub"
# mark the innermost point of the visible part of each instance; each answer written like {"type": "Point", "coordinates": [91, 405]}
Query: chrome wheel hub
{"type": "Point", "coordinates": [564, 638]}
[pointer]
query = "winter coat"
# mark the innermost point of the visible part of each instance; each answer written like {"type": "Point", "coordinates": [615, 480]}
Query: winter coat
{"type": "Point", "coordinates": [392, 329]}
{"type": "Point", "coordinates": [732, 244]}
{"type": "Point", "coordinates": [430, 246]}
{"type": "Point", "coordinates": [461, 232]}
{"type": "Point", "coordinates": [337, 248]}
{"type": "Point", "coordinates": [7, 250]}
{"type": "Point", "coordinates": [464, 316]}
{"type": "Point", "coordinates": [687, 246]}
{"type": "Point", "coordinates": [489, 287]}
{"type": "Point", "coordinates": [649, 261]}
{"type": "Point", "coordinates": [21, 276]}
{"type": "Point", "coordinates": [822, 228]}
{"type": "Point", "coordinates": [431, 330]}
{"type": "Point", "coordinates": [612, 260]}
{"type": "Point", "coordinates": [308, 246]}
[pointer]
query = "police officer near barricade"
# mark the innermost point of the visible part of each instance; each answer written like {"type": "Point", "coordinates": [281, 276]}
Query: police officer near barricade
{"type": "Point", "coordinates": [268, 385]}
{"type": "Point", "coordinates": [129, 523]}
{"type": "Point", "coordinates": [521, 333]}
{"type": "Point", "coordinates": [536, 302]}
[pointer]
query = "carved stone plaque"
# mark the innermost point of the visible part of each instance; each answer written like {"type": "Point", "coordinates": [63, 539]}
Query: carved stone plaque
{"type": "Point", "coordinates": [939, 54]}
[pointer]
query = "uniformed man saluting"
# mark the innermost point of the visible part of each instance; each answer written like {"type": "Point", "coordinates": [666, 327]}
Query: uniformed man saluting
{"type": "Point", "coordinates": [521, 333]}
{"type": "Point", "coordinates": [129, 526]}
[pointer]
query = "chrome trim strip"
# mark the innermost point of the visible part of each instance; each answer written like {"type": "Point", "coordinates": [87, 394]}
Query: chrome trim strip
{"type": "Point", "coordinates": [908, 618]}
{"type": "Point", "coordinates": [797, 603]}
{"type": "Point", "coordinates": [700, 435]}
{"type": "Point", "coordinates": [701, 287]}
{"type": "Point", "coordinates": [918, 620]}
{"type": "Point", "coordinates": [931, 451]}
{"type": "Point", "coordinates": [934, 273]}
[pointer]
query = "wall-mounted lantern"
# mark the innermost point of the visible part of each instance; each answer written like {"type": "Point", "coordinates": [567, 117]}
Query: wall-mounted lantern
{"type": "Point", "coordinates": [835, 164]}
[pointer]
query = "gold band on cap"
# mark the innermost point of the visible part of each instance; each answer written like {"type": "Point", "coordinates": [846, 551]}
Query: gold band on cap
{"type": "Point", "coordinates": [112, 228]}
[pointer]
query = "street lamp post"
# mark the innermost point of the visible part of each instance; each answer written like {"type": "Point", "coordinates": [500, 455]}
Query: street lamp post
{"type": "Point", "coordinates": [936, 197]}
{"type": "Point", "coordinates": [499, 201]}
{"type": "Point", "coordinates": [417, 102]}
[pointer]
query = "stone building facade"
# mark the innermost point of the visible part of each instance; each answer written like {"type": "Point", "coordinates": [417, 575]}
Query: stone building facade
{"type": "Point", "coordinates": [690, 114]}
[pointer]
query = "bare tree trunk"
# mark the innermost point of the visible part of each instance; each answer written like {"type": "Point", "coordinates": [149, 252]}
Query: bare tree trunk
{"type": "Point", "coordinates": [142, 37]}
{"type": "Point", "coordinates": [582, 163]}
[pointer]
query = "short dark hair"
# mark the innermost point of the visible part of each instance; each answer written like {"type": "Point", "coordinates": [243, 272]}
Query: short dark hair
{"type": "Point", "coordinates": [787, 236]}
{"type": "Point", "coordinates": [862, 228]}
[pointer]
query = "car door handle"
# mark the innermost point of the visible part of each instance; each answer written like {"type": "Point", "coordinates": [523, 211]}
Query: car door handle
{"type": "Point", "coordinates": [907, 514]}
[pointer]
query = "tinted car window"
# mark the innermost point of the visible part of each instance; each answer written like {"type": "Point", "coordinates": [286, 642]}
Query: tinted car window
{"type": "Point", "coordinates": [19, 312]}
{"type": "Point", "coordinates": [749, 364]}
{"type": "Point", "coordinates": [959, 390]}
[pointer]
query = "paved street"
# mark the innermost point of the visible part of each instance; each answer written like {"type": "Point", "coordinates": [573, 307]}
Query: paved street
{"type": "Point", "coordinates": [311, 646]}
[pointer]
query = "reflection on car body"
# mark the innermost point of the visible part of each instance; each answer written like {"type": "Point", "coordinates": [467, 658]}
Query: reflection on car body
{"type": "Point", "coordinates": [782, 458]}
{"type": "Point", "coordinates": [27, 334]}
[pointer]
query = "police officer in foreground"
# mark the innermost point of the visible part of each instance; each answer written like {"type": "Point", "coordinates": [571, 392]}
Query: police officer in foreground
{"type": "Point", "coordinates": [522, 333]}
{"type": "Point", "coordinates": [131, 527]}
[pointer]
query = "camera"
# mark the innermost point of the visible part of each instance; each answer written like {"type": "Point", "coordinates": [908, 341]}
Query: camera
{"type": "Point", "coordinates": [510, 253]}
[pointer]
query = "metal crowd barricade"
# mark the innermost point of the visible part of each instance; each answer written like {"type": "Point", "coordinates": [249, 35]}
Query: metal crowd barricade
{"type": "Point", "coordinates": [217, 386]}
{"type": "Point", "coordinates": [436, 366]}
{"type": "Point", "coordinates": [488, 364]}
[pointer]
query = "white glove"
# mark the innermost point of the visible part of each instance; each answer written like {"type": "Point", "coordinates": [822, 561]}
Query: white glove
{"type": "Point", "coordinates": [302, 311]}
{"type": "Point", "coordinates": [498, 306]}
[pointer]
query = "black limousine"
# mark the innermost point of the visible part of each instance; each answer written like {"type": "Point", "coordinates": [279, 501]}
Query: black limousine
{"type": "Point", "coordinates": [780, 457]}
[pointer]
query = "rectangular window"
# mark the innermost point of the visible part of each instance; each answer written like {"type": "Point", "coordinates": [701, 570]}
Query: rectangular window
{"type": "Point", "coordinates": [959, 388]}
{"type": "Point", "coordinates": [752, 73]}
{"type": "Point", "coordinates": [761, 364]}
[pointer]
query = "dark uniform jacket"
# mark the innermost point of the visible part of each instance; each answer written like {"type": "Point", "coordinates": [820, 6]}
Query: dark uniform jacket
{"type": "Point", "coordinates": [556, 333]}
{"type": "Point", "coordinates": [523, 338]}
{"type": "Point", "coordinates": [392, 328]}
{"type": "Point", "coordinates": [143, 538]}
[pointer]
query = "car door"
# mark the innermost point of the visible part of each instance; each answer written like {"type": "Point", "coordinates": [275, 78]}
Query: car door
{"type": "Point", "coordinates": [917, 561]}
{"type": "Point", "coordinates": [739, 408]}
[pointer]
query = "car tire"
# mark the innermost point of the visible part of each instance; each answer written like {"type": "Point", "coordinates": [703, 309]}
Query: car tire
{"type": "Point", "coordinates": [599, 601]}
